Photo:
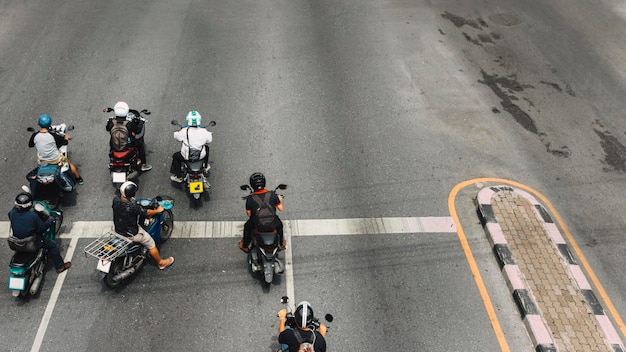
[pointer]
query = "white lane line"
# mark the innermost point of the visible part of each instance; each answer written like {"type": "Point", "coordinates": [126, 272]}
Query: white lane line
{"type": "Point", "coordinates": [289, 285]}
{"type": "Point", "coordinates": [45, 320]}
{"type": "Point", "coordinates": [313, 227]}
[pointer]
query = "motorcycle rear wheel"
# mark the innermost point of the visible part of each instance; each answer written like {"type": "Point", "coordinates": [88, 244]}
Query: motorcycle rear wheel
{"type": "Point", "coordinates": [116, 268]}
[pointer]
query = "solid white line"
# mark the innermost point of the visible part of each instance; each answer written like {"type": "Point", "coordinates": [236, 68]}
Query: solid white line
{"type": "Point", "coordinates": [313, 227]}
{"type": "Point", "coordinates": [45, 320]}
{"type": "Point", "coordinates": [289, 285]}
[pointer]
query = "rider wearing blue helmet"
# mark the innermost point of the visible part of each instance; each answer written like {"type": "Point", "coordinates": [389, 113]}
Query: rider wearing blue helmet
{"type": "Point", "coordinates": [47, 145]}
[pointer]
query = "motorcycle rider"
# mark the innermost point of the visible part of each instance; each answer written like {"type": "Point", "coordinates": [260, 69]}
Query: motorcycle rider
{"type": "Point", "coordinates": [26, 223]}
{"type": "Point", "coordinates": [126, 214]}
{"type": "Point", "coordinates": [195, 141]}
{"type": "Point", "coordinates": [47, 145]}
{"type": "Point", "coordinates": [136, 130]}
{"type": "Point", "coordinates": [292, 340]}
{"type": "Point", "coordinates": [257, 182]}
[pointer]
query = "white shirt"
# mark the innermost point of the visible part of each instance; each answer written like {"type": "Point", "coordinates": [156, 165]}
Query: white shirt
{"type": "Point", "coordinates": [193, 137]}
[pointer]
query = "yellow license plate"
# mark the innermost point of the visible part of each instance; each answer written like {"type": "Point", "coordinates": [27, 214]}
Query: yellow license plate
{"type": "Point", "coordinates": [196, 187]}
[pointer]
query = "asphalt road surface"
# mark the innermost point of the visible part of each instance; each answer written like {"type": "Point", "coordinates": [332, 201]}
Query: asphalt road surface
{"type": "Point", "coordinates": [367, 109]}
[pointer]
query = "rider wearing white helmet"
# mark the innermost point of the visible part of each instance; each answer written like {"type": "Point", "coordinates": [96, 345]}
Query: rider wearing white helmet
{"type": "Point", "coordinates": [136, 129]}
{"type": "Point", "coordinates": [195, 141]}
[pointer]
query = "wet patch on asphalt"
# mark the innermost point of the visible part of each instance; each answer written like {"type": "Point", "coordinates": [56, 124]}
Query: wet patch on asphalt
{"type": "Point", "coordinates": [507, 87]}
{"type": "Point", "coordinates": [614, 151]}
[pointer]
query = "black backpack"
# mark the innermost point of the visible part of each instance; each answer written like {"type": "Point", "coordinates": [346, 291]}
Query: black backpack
{"type": "Point", "coordinates": [264, 217]}
{"type": "Point", "coordinates": [119, 137]}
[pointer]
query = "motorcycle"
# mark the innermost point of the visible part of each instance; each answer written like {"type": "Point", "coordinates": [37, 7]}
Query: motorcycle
{"type": "Point", "coordinates": [125, 165]}
{"type": "Point", "coordinates": [263, 255]}
{"type": "Point", "coordinates": [290, 320]}
{"type": "Point", "coordinates": [50, 183]}
{"type": "Point", "coordinates": [194, 178]}
{"type": "Point", "coordinates": [26, 268]}
{"type": "Point", "coordinates": [119, 258]}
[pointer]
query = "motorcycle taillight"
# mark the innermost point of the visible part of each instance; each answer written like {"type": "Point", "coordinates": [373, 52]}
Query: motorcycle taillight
{"type": "Point", "coordinates": [117, 163]}
{"type": "Point", "coordinates": [195, 176]}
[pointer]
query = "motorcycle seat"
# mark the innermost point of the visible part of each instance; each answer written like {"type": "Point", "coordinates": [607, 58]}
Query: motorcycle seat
{"type": "Point", "coordinates": [24, 259]}
{"type": "Point", "coordinates": [127, 154]}
{"type": "Point", "coordinates": [194, 165]}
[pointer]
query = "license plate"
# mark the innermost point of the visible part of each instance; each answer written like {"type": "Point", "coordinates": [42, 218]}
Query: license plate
{"type": "Point", "coordinates": [196, 187]}
{"type": "Point", "coordinates": [17, 283]}
{"type": "Point", "coordinates": [118, 177]}
{"type": "Point", "coordinates": [104, 266]}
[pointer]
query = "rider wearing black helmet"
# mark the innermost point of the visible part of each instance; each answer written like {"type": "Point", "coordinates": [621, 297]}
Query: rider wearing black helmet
{"type": "Point", "coordinates": [257, 182]}
{"type": "Point", "coordinates": [126, 214]}
{"type": "Point", "coordinates": [26, 223]}
{"type": "Point", "coordinates": [303, 336]}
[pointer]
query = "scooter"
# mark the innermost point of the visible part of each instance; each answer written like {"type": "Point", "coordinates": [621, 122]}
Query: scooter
{"type": "Point", "coordinates": [50, 183]}
{"type": "Point", "coordinates": [119, 258]}
{"type": "Point", "coordinates": [194, 178]}
{"type": "Point", "coordinates": [26, 268]}
{"type": "Point", "coordinates": [263, 255]}
{"type": "Point", "coordinates": [290, 320]}
{"type": "Point", "coordinates": [125, 165]}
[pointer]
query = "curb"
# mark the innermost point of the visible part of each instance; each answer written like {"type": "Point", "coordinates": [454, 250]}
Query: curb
{"type": "Point", "coordinates": [530, 313]}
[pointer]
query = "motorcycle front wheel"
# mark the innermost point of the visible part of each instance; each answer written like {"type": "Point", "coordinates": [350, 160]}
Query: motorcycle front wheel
{"type": "Point", "coordinates": [167, 226]}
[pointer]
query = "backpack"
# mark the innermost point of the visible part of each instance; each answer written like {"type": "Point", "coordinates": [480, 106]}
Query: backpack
{"type": "Point", "coordinates": [305, 346]}
{"type": "Point", "coordinates": [119, 137]}
{"type": "Point", "coordinates": [264, 217]}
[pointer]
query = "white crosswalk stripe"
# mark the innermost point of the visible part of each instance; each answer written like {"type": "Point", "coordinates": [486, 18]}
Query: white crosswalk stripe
{"type": "Point", "coordinates": [311, 227]}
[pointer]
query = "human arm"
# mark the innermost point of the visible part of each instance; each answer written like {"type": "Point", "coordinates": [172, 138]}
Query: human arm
{"type": "Point", "coordinates": [282, 316]}
{"type": "Point", "coordinates": [152, 212]}
{"type": "Point", "coordinates": [109, 124]}
{"type": "Point", "coordinates": [322, 329]}
{"type": "Point", "coordinates": [31, 142]}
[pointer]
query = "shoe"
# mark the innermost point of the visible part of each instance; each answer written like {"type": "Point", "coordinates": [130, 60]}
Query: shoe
{"type": "Point", "coordinates": [241, 246]}
{"type": "Point", "coordinates": [284, 244]}
{"type": "Point", "coordinates": [146, 167]}
{"type": "Point", "coordinates": [65, 266]}
{"type": "Point", "coordinates": [80, 181]}
{"type": "Point", "coordinates": [169, 263]}
{"type": "Point", "coordinates": [175, 178]}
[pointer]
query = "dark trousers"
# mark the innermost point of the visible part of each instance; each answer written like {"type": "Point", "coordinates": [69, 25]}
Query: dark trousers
{"type": "Point", "coordinates": [177, 162]}
{"type": "Point", "coordinates": [248, 227]}
{"type": "Point", "coordinates": [141, 150]}
{"type": "Point", "coordinates": [53, 252]}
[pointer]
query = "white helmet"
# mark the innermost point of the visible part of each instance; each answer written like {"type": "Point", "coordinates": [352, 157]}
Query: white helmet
{"type": "Point", "coordinates": [121, 109]}
{"type": "Point", "coordinates": [193, 118]}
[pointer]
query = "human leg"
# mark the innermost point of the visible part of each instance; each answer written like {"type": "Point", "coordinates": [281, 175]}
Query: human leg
{"type": "Point", "coordinates": [175, 168]}
{"type": "Point", "coordinates": [146, 240]}
{"type": "Point", "coordinates": [55, 254]}
{"type": "Point", "coordinates": [244, 245]}
{"type": "Point", "coordinates": [280, 231]}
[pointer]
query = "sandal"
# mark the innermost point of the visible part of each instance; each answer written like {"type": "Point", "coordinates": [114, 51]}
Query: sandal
{"type": "Point", "coordinates": [170, 262]}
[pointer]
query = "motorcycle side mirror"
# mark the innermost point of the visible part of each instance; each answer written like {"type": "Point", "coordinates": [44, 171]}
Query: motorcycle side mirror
{"type": "Point", "coordinates": [145, 111]}
{"type": "Point", "coordinates": [107, 110]}
{"type": "Point", "coordinates": [159, 198]}
{"type": "Point", "coordinates": [329, 318]}
{"type": "Point", "coordinates": [284, 300]}
{"type": "Point", "coordinates": [282, 186]}
{"type": "Point", "coordinates": [174, 122]}
{"type": "Point", "coordinates": [244, 187]}
{"type": "Point", "coordinates": [212, 123]}
{"type": "Point", "coordinates": [30, 129]}
{"type": "Point", "coordinates": [25, 188]}
{"type": "Point", "coordinates": [69, 128]}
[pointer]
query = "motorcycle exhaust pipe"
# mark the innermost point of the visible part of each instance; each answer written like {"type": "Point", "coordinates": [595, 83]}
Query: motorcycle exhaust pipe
{"type": "Point", "coordinates": [133, 175]}
{"type": "Point", "coordinates": [126, 273]}
{"type": "Point", "coordinates": [34, 287]}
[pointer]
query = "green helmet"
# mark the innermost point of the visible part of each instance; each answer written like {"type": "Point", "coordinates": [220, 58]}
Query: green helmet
{"type": "Point", "coordinates": [193, 118]}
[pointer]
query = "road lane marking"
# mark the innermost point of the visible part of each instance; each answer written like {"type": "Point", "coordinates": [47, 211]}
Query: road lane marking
{"type": "Point", "coordinates": [45, 320]}
{"type": "Point", "coordinates": [311, 227]}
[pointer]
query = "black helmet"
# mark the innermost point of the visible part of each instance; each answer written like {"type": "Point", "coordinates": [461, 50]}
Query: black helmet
{"type": "Point", "coordinates": [128, 189]}
{"type": "Point", "coordinates": [24, 201]}
{"type": "Point", "coordinates": [257, 181]}
{"type": "Point", "coordinates": [303, 314]}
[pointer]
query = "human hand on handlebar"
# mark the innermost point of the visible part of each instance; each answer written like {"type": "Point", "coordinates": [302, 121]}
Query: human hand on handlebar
{"type": "Point", "coordinates": [67, 137]}
{"type": "Point", "coordinates": [282, 314]}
